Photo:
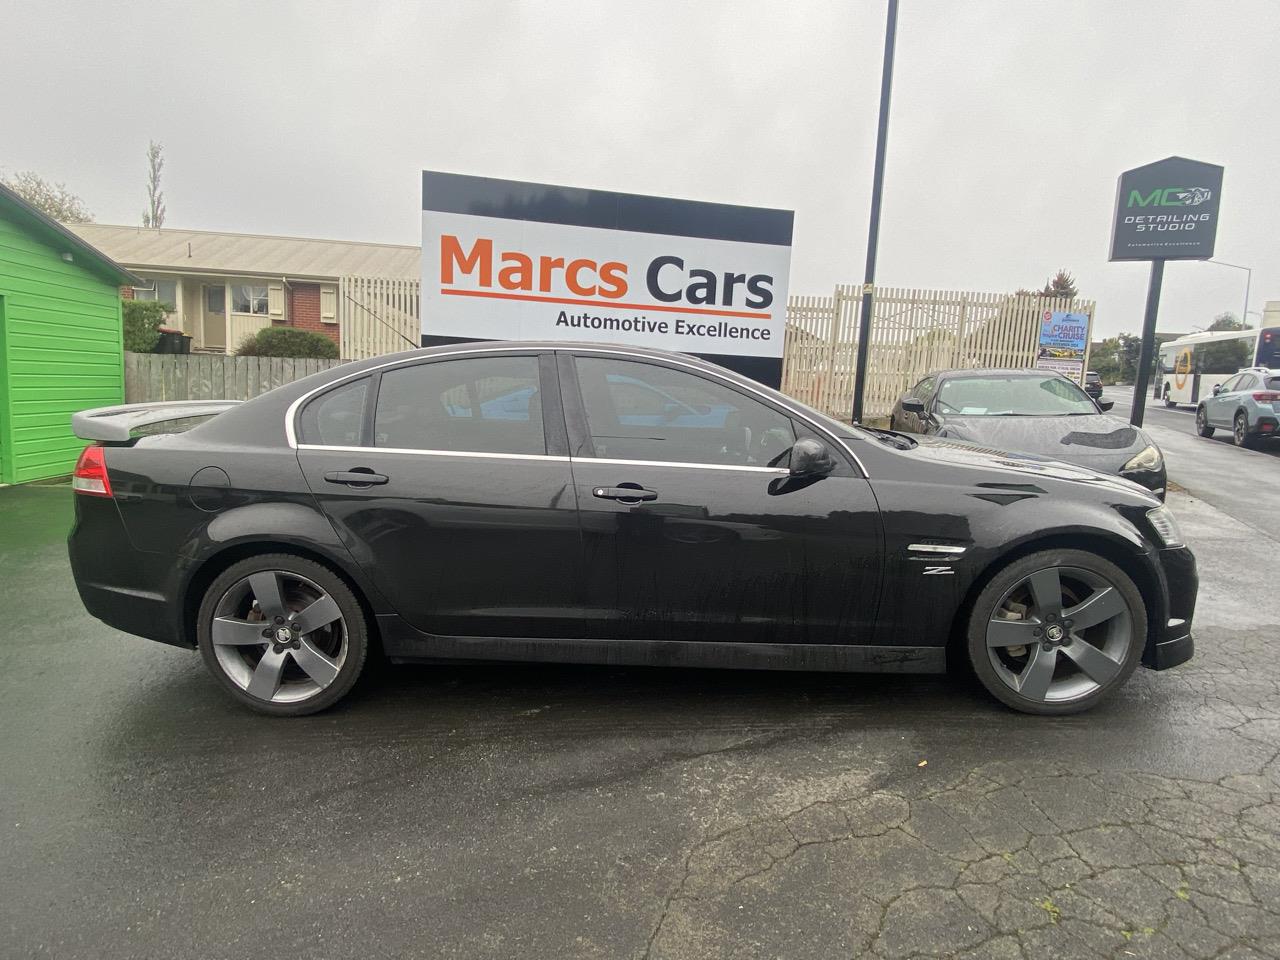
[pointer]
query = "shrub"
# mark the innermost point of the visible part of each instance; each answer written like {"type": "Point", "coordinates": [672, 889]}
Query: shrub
{"type": "Point", "coordinates": [288, 342]}
{"type": "Point", "coordinates": [142, 320]}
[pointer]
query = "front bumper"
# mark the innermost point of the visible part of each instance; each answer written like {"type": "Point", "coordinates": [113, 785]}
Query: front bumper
{"type": "Point", "coordinates": [1169, 641]}
{"type": "Point", "coordinates": [1154, 480]}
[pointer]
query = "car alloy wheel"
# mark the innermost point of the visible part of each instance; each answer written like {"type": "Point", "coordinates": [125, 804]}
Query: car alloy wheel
{"type": "Point", "coordinates": [1240, 431]}
{"type": "Point", "coordinates": [1202, 423]}
{"type": "Point", "coordinates": [1056, 631]}
{"type": "Point", "coordinates": [283, 634]}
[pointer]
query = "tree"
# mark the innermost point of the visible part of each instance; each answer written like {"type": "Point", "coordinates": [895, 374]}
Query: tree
{"type": "Point", "coordinates": [153, 216]}
{"type": "Point", "coordinates": [1061, 286]}
{"type": "Point", "coordinates": [142, 320]}
{"type": "Point", "coordinates": [1227, 321]}
{"type": "Point", "coordinates": [287, 342]}
{"type": "Point", "coordinates": [52, 199]}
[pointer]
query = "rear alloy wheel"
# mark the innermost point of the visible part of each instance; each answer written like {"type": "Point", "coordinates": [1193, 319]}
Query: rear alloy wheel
{"type": "Point", "coordinates": [1202, 422]}
{"type": "Point", "coordinates": [286, 636]}
{"type": "Point", "coordinates": [1240, 431]}
{"type": "Point", "coordinates": [1056, 632]}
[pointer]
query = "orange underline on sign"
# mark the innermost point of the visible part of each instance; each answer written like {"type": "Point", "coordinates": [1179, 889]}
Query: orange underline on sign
{"type": "Point", "coordinates": [604, 303]}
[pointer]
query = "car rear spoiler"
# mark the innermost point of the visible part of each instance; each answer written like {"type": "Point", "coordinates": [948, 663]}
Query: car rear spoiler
{"type": "Point", "coordinates": [116, 424]}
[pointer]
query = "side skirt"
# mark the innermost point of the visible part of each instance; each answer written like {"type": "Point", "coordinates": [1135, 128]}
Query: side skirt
{"type": "Point", "coordinates": [403, 644]}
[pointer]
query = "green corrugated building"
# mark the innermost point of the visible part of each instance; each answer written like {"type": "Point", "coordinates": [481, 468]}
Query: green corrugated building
{"type": "Point", "coordinates": [61, 339]}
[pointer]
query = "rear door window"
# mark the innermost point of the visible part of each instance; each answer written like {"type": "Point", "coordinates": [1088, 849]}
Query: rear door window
{"type": "Point", "coordinates": [477, 405]}
{"type": "Point", "coordinates": [336, 417]}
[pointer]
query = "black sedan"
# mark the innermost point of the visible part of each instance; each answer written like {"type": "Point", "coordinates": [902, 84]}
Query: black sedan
{"type": "Point", "coordinates": [1031, 411]}
{"type": "Point", "coordinates": [563, 502]}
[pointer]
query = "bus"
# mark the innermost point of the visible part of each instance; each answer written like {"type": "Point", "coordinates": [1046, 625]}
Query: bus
{"type": "Point", "coordinates": [1191, 366]}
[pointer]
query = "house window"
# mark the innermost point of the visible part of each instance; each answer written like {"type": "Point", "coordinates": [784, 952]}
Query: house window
{"type": "Point", "coordinates": [247, 298]}
{"type": "Point", "coordinates": [166, 291]}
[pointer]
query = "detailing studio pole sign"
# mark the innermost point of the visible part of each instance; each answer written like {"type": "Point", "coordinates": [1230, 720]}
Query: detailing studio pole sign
{"type": "Point", "coordinates": [1062, 342]}
{"type": "Point", "coordinates": [1167, 210]}
{"type": "Point", "coordinates": [506, 260]}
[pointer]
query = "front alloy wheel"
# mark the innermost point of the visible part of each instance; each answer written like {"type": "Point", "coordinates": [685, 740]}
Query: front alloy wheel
{"type": "Point", "coordinates": [284, 635]}
{"type": "Point", "coordinates": [1057, 631]}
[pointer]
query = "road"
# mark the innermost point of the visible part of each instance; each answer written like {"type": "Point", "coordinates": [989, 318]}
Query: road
{"type": "Point", "coordinates": [595, 812]}
{"type": "Point", "coordinates": [1244, 484]}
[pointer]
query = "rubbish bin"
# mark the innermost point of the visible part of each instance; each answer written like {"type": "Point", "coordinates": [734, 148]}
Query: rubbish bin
{"type": "Point", "coordinates": [172, 341]}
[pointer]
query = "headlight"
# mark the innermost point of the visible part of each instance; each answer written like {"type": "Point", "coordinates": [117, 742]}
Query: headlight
{"type": "Point", "coordinates": [1165, 526]}
{"type": "Point", "coordinates": [1148, 459]}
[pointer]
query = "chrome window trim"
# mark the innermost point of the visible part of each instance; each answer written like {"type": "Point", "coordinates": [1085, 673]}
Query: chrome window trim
{"type": "Point", "coordinates": [778, 471]}
{"type": "Point", "coordinates": [291, 414]}
{"type": "Point", "coordinates": [433, 453]}
{"type": "Point", "coordinates": [514, 347]}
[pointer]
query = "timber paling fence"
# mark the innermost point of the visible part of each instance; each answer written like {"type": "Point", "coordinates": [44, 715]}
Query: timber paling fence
{"type": "Point", "coordinates": [200, 376]}
{"type": "Point", "coordinates": [913, 332]}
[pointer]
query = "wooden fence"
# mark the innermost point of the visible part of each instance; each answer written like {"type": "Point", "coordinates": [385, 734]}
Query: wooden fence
{"type": "Point", "coordinates": [208, 376]}
{"type": "Point", "coordinates": [912, 332]}
{"type": "Point", "coordinates": [378, 315]}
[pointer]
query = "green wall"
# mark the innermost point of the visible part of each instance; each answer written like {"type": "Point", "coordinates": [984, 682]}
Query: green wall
{"type": "Point", "coordinates": [61, 350]}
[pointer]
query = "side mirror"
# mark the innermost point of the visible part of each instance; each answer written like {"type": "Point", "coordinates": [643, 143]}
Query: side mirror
{"type": "Point", "coordinates": [1105, 405]}
{"type": "Point", "coordinates": [912, 405]}
{"type": "Point", "coordinates": [1217, 389]}
{"type": "Point", "coordinates": [811, 458]}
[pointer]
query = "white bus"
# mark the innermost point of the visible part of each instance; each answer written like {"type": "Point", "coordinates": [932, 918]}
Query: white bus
{"type": "Point", "coordinates": [1191, 366]}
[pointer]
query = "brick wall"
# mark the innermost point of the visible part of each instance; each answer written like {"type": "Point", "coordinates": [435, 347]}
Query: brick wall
{"type": "Point", "coordinates": [126, 293]}
{"type": "Point", "coordinates": [303, 311]}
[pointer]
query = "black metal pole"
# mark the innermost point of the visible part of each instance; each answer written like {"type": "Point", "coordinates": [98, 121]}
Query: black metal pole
{"type": "Point", "coordinates": [873, 232]}
{"type": "Point", "coordinates": [1143, 372]}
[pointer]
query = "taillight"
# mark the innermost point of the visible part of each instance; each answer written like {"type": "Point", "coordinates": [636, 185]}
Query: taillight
{"type": "Point", "coordinates": [1266, 396]}
{"type": "Point", "coordinates": [91, 473]}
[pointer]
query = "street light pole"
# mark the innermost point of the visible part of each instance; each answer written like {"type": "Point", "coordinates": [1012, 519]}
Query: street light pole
{"type": "Point", "coordinates": [1248, 282]}
{"type": "Point", "coordinates": [873, 232]}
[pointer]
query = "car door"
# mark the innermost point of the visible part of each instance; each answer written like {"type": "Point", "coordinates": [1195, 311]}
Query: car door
{"type": "Point", "coordinates": [467, 521]}
{"type": "Point", "coordinates": [692, 528]}
{"type": "Point", "coordinates": [1218, 406]}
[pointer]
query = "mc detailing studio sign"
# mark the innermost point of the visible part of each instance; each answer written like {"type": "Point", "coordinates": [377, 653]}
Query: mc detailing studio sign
{"type": "Point", "coordinates": [1167, 210]}
{"type": "Point", "coordinates": [1063, 337]}
{"type": "Point", "coordinates": [506, 260]}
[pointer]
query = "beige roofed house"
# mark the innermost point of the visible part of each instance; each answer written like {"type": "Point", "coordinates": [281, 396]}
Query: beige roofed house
{"type": "Point", "coordinates": [227, 286]}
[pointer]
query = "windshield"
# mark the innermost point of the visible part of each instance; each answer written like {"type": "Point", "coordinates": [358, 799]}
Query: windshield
{"type": "Point", "coordinates": [1013, 395]}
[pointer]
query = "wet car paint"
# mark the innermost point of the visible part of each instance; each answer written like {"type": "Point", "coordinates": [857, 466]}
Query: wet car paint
{"type": "Point", "coordinates": [547, 579]}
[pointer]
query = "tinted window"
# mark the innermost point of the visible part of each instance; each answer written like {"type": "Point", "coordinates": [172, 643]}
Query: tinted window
{"type": "Point", "coordinates": [334, 419]}
{"type": "Point", "coordinates": [1229, 385]}
{"type": "Point", "coordinates": [1247, 382]}
{"type": "Point", "coordinates": [484, 405]}
{"type": "Point", "coordinates": [1224, 356]}
{"type": "Point", "coordinates": [1268, 354]}
{"type": "Point", "coordinates": [640, 411]}
{"type": "Point", "coordinates": [923, 391]}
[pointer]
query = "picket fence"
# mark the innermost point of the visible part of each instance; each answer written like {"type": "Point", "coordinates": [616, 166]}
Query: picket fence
{"type": "Point", "coordinates": [200, 376]}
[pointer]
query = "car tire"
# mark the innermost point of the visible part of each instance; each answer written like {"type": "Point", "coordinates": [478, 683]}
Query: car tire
{"type": "Point", "coordinates": [304, 670]}
{"type": "Point", "coordinates": [1085, 664]}
{"type": "Point", "coordinates": [1202, 422]}
{"type": "Point", "coordinates": [1167, 401]}
{"type": "Point", "coordinates": [1240, 431]}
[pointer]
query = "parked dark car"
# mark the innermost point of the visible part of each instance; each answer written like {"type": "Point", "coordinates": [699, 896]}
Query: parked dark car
{"type": "Point", "coordinates": [1093, 384]}
{"type": "Point", "coordinates": [1031, 411]}
{"type": "Point", "coordinates": [389, 505]}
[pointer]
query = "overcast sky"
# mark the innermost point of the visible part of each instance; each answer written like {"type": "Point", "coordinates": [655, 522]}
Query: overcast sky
{"type": "Point", "coordinates": [1011, 120]}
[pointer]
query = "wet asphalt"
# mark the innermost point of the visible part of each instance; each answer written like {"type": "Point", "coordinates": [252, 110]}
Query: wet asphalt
{"type": "Point", "coordinates": [543, 811]}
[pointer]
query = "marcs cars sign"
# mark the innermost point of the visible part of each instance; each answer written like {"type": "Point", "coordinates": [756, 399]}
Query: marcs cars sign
{"type": "Point", "coordinates": [1167, 210]}
{"type": "Point", "coordinates": [506, 260]}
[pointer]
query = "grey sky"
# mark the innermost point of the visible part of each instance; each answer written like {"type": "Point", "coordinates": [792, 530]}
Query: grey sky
{"type": "Point", "coordinates": [1011, 121]}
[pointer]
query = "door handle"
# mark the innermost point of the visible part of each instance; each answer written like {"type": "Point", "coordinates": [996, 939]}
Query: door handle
{"type": "Point", "coordinates": [357, 477]}
{"type": "Point", "coordinates": [625, 494]}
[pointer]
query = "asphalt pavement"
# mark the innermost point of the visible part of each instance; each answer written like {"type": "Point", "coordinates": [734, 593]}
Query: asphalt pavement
{"type": "Point", "coordinates": [564, 812]}
{"type": "Point", "coordinates": [1244, 484]}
